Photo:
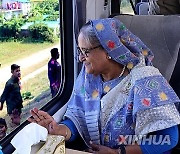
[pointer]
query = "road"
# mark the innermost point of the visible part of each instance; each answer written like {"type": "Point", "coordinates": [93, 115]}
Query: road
{"type": "Point", "coordinates": [25, 63]}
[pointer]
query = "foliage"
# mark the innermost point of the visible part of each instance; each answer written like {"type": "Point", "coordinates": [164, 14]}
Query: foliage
{"type": "Point", "coordinates": [35, 15]}
{"type": "Point", "coordinates": [52, 17]}
{"type": "Point", "coordinates": [27, 95]}
{"type": "Point", "coordinates": [1, 18]}
{"type": "Point", "coordinates": [47, 7]}
{"type": "Point", "coordinates": [11, 28]}
{"type": "Point", "coordinates": [125, 3]}
{"type": "Point", "coordinates": [37, 85]}
{"type": "Point", "coordinates": [41, 32]}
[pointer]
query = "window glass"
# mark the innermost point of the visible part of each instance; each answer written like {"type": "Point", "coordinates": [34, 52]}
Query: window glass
{"type": "Point", "coordinates": [126, 7]}
{"type": "Point", "coordinates": [29, 38]}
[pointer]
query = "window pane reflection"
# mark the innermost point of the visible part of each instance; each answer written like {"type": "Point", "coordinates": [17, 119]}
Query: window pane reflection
{"type": "Point", "coordinates": [28, 32]}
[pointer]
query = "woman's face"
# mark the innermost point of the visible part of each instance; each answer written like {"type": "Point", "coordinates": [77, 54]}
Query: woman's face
{"type": "Point", "coordinates": [96, 60]}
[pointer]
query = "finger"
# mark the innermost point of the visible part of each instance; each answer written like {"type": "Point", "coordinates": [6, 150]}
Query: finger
{"type": "Point", "coordinates": [45, 115]}
{"type": "Point", "coordinates": [38, 114]}
{"type": "Point", "coordinates": [35, 109]}
{"type": "Point", "coordinates": [41, 117]}
{"type": "Point", "coordinates": [35, 115]}
{"type": "Point", "coordinates": [31, 120]}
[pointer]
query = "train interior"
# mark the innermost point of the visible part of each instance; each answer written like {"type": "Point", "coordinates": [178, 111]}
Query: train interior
{"type": "Point", "coordinates": [159, 32]}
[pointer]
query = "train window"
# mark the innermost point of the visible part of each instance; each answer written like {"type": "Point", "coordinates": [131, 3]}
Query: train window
{"type": "Point", "coordinates": [29, 38]}
{"type": "Point", "coordinates": [36, 90]}
{"type": "Point", "coordinates": [126, 6]}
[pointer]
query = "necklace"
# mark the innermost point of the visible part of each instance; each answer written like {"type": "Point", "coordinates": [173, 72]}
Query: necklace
{"type": "Point", "coordinates": [122, 71]}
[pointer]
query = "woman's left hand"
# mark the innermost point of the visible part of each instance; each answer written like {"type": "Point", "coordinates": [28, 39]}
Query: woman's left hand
{"type": "Point", "coordinates": [100, 149]}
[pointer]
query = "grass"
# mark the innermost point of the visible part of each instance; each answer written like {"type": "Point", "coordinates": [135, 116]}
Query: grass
{"type": "Point", "coordinates": [33, 68]}
{"type": "Point", "coordinates": [12, 51]}
{"type": "Point", "coordinates": [36, 85]}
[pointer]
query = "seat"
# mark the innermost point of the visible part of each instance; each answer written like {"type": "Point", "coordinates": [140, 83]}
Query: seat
{"type": "Point", "coordinates": [142, 8]}
{"type": "Point", "coordinates": [161, 34]}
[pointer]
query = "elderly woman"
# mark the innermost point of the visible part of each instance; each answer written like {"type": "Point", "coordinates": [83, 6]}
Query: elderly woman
{"type": "Point", "coordinates": [120, 102]}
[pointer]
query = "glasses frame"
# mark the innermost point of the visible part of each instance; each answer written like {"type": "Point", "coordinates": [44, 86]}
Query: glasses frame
{"type": "Point", "coordinates": [85, 51]}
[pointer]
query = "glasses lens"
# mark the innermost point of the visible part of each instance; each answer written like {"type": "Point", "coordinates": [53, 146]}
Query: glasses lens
{"type": "Point", "coordinates": [78, 52]}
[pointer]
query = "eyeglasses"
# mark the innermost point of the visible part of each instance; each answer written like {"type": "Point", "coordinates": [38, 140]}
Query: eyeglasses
{"type": "Point", "coordinates": [85, 51]}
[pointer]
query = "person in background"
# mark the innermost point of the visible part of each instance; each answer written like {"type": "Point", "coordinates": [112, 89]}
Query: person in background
{"type": "Point", "coordinates": [3, 128]}
{"type": "Point", "coordinates": [12, 95]}
{"type": "Point", "coordinates": [54, 71]}
{"type": "Point", "coordinates": [117, 94]}
{"type": "Point", "coordinates": [164, 7]}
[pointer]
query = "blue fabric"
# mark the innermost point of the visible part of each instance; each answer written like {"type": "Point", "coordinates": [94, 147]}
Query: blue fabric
{"type": "Point", "coordinates": [1, 150]}
{"type": "Point", "coordinates": [115, 37]}
{"type": "Point", "coordinates": [161, 149]}
{"type": "Point", "coordinates": [73, 129]}
{"type": "Point", "coordinates": [151, 92]}
{"type": "Point", "coordinates": [85, 108]}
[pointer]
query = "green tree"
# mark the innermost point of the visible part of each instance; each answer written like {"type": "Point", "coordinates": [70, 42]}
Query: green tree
{"type": "Point", "coordinates": [11, 28]}
{"type": "Point", "coordinates": [41, 32]}
{"type": "Point", "coordinates": [47, 7]}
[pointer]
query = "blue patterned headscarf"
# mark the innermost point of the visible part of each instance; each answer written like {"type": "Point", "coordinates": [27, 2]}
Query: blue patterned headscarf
{"type": "Point", "coordinates": [123, 46]}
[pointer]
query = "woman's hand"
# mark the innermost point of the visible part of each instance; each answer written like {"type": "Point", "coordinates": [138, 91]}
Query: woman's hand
{"type": "Point", "coordinates": [42, 118]}
{"type": "Point", "coordinates": [100, 149]}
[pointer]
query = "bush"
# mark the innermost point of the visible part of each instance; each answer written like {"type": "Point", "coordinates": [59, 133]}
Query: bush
{"type": "Point", "coordinates": [51, 18]}
{"type": "Point", "coordinates": [41, 32]}
{"type": "Point", "coordinates": [10, 29]}
{"type": "Point", "coordinates": [27, 95]}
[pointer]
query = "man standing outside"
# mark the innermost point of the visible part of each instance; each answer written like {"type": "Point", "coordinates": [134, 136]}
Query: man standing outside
{"type": "Point", "coordinates": [12, 95]}
{"type": "Point", "coordinates": [54, 71]}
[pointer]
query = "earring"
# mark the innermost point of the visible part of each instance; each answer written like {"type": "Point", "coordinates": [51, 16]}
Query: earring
{"type": "Point", "coordinates": [109, 57]}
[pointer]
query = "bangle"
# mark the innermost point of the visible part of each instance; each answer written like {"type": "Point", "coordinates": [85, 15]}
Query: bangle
{"type": "Point", "coordinates": [121, 149]}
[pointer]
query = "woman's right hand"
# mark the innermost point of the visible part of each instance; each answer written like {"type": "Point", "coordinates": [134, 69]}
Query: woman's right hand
{"type": "Point", "coordinates": [40, 117]}
{"type": "Point", "coordinates": [44, 119]}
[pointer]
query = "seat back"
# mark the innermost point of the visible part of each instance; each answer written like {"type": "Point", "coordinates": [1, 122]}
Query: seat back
{"type": "Point", "coordinates": [161, 34]}
{"type": "Point", "coordinates": [142, 8]}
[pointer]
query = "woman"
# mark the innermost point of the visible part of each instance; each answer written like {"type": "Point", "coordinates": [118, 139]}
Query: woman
{"type": "Point", "coordinates": [118, 95]}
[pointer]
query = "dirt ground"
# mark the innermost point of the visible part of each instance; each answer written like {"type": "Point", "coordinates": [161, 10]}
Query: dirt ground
{"type": "Point", "coordinates": [38, 102]}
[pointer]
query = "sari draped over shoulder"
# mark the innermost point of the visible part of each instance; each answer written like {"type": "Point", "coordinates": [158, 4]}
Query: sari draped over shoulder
{"type": "Point", "coordinates": [138, 104]}
{"type": "Point", "coordinates": [141, 103]}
